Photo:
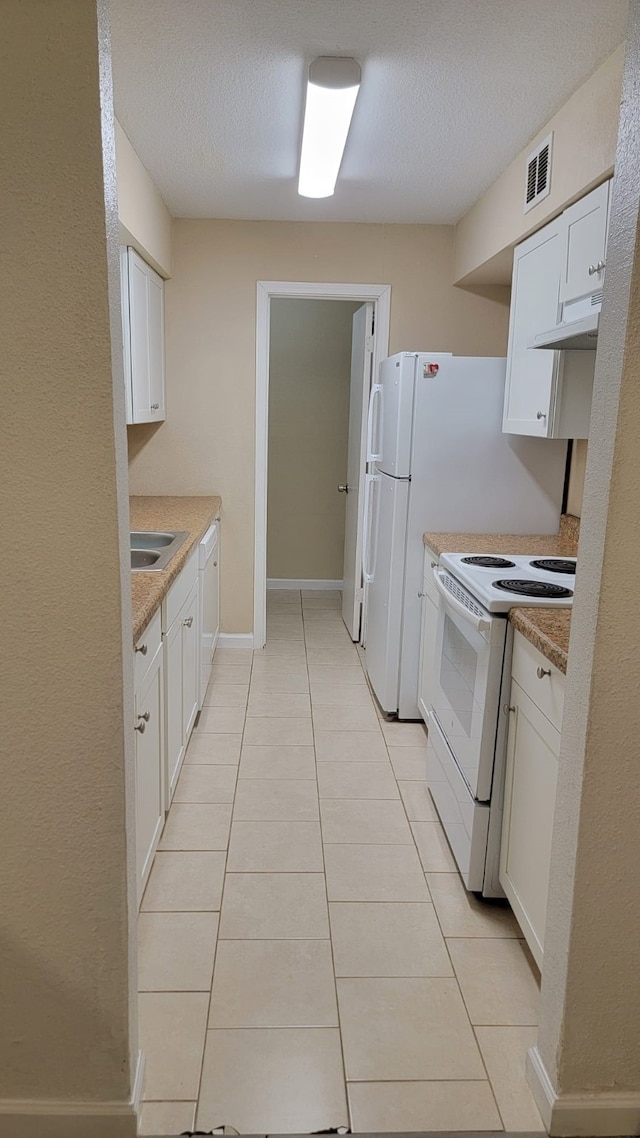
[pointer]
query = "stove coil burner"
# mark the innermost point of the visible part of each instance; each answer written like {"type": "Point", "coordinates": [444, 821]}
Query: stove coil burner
{"type": "Point", "coordinates": [538, 589]}
{"type": "Point", "coordinates": [485, 562]}
{"type": "Point", "coordinates": [554, 565]}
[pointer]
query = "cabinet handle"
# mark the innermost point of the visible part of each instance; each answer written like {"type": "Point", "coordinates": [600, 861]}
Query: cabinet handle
{"type": "Point", "coordinates": [542, 672]}
{"type": "Point", "coordinates": [540, 415]}
{"type": "Point", "coordinates": [508, 708]}
{"type": "Point", "coordinates": [142, 649]}
{"type": "Point", "coordinates": [188, 622]}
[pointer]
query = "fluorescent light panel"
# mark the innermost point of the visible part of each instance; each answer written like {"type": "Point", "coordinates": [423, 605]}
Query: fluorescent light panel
{"type": "Point", "coordinates": [332, 90]}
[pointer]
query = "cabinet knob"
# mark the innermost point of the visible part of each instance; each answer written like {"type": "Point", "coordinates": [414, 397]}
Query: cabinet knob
{"type": "Point", "coordinates": [434, 564]}
{"type": "Point", "coordinates": [507, 708]}
{"type": "Point", "coordinates": [601, 265]}
{"type": "Point", "coordinates": [188, 622]}
{"type": "Point", "coordinates": [146, 715]}
{"type": "Point", "coordinates": [542, 672]}
{"type": "Point", "coordinates": [343, 489]}
{"type": "Point", "coordinates": [215, 565]}
{"type": "Point", "coordinates": [142, 649]}
{"type": "Point", "coordinates": [596, 268]}
{"type": "Point", "coordinates": [540, 415]}
{"type": "Point", "coordinates": [592, 270]}
{"type": "Point", "coordinates": [421, 594]}
{"type": "Point", "coordinates": [141, 727]}
{"type": "Point", "coordinates": [155, 406]}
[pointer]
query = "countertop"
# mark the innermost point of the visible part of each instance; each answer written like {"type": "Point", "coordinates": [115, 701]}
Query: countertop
{"type": "Point", "coordinates": [159, 513]}
{"type": "Point", "coordinates": [547, 629]}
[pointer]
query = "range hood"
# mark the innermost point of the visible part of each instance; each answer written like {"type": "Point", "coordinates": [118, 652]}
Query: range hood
{"type": "Point", "coordinates": [574, 335]}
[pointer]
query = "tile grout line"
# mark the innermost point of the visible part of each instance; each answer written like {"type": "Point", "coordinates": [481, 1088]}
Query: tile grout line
{"type": "Point", "coordinates": [326, 890]}
{"type": "Point", "coordinates": [224, 879]}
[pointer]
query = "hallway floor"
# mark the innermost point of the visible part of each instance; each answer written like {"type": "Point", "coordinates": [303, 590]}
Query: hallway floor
{"type": "Point", "coordinates": [308, 957]}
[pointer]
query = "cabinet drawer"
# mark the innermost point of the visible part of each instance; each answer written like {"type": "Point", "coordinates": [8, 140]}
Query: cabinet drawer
{"type": "Point", "coordinates": [546, 691]}
{"type": "Point", "coordinates": [145, 649]}
{"type": "Point", "coordinates": [179, 592]}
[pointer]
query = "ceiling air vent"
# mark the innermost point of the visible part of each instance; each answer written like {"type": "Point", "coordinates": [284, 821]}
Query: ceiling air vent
{"type": "Point", "coordinates": [538, 174]}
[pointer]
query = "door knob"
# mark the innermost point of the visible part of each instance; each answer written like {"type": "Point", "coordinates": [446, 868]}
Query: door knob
{"type": "Point", "coordinates": [343, 489]}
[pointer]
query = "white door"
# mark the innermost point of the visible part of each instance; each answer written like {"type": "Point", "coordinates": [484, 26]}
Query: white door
{"type": "Point", "coordinates": [362, 345]}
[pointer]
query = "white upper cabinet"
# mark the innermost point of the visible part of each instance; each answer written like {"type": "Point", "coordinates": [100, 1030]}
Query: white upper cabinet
{"type": "Point", "coordinates": [547, 393]}
{"type": "Point", "coordinates": [532, 375]}
{"type": "Point", "coordinates": [143, 337]}
{"type": "Point", "coordinates": [584, 243]}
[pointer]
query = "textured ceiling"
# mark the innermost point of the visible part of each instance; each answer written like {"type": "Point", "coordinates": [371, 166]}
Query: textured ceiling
{"type": "Point", "coordinates": [210, 93]}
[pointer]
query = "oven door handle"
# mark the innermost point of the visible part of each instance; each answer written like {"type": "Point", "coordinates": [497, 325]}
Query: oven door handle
{"type": "Point", "coordinates": [477, 622]}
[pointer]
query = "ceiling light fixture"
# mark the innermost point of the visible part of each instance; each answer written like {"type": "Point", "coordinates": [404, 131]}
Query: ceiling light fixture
{"type": "Point", "coordinates": [332, 89]}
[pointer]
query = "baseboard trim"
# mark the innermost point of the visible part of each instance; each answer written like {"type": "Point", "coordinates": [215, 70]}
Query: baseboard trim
{"type": "Point", "coordinates": [235, 640]}
{"type": "Point", "coordinates": [598, 1115]}
{"type": "Point", "coordinates": [295, 583]}
{"type": "Point", "coordinates": [54, 1118]}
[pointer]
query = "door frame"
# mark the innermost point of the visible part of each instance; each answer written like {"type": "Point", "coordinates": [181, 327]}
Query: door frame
{"type": "Point", "coordinates": [380, 296]}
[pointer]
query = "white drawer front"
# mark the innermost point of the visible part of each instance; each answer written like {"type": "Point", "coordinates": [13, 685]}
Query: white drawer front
{"type": "Point", "coordinates": [541, 680]}
{"type": "Point", "coordinates": [465, 821]}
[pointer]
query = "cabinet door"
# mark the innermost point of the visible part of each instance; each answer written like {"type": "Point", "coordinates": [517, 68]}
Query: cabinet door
{"type": "Point", "coordinates": [529, 805]}
{"type": "Point", "coordinates": [427, 655]}
{"type": "Point", "coordinates": [149, 769]}
{"type": "Point", "coordinates": [532, 374]}
{"type": "Point", "coordinates": [139, 332]}
{"type": "Point", "coordinates": [173, 705]}
{"type": "Point", "coordinates": [584, 241]}
{"type": "Point", "coordinates": [190, 662]}
{"type": "Point", "coordinates": [126, 332]}
{"type": "Point", "coordinates": [155, 286]}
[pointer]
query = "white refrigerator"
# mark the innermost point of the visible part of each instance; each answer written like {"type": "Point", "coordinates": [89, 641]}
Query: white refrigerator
{"type": "Point", "coordinates": [438, 461]}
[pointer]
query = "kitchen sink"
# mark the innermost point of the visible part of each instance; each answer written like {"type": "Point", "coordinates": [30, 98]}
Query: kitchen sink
{"type": "Point", "coordinates": [151, 551]}
{"type": "Point", "coordinates": [144, 558]}
{"type": "Point", "coordinates": [149, 539]}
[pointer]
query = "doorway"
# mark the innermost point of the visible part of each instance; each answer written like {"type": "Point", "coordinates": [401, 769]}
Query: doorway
{"type": "Point", "coordinates": [311, 346]}
{"type": "Point", "coordinates": [314, 364]}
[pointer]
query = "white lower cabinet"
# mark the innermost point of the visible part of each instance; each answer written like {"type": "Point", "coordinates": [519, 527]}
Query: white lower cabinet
{"type": "Point", "coordinates": [182, 644]}
{"type": "Point", "coordinates": [149, 749]}
{"type": "Point", "coordinates": [536, 704]}
{"type": "Point", "coordinates": [427, 635]}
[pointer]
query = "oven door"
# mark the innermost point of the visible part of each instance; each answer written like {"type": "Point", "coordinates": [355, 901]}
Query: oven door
{"type": "Point", "coordinates": [469, 655]}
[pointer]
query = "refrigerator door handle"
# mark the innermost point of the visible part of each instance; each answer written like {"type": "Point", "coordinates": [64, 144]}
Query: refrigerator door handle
{"type": "Point", "coordinates": [376, 392]}
{"type": "Point", "coordinates": [367, 573]}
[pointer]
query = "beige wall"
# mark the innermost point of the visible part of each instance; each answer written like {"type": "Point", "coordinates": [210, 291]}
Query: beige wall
{"type": "Point", "coordinates": [67, 999]}
{"type": "Point", "coordinates": [145, 221]}
{"type": "Point", "coordinates": [584, 145]}
{"type": "Point", "coordinates": [309, 373]}
{"type": "Point", "coordinates": [590, 1010]}
{"type": "Point", "coordinates": [207, 442]}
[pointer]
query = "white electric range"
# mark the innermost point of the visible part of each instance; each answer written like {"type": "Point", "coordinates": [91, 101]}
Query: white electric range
{"type": "Point", "coordinates": [469, 688]}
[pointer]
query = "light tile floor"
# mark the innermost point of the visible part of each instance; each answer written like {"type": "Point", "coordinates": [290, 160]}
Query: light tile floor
{"type": "Point", "coordinates": [309, 957]}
